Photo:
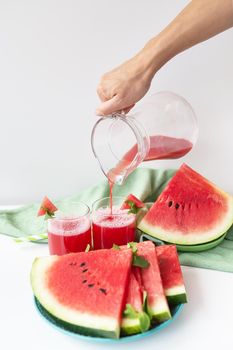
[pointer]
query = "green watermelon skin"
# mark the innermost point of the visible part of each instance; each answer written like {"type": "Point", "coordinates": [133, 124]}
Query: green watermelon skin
{"type": "Point", "coordinates": [190, 210]}
{"type": "Point", "coordinates": [157, 306]}
{"type": "Point", "coordinates": [171, 274]}
{"type": "Point", "coordinates": [72, 327]}
{"type": "Point", "coordinates": [93, 307]}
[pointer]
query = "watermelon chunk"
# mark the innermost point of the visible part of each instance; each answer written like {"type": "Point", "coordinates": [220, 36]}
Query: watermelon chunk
{"type": "Point", "coordinates": [47, 207]}
{"type": "Point", "coordinates": [157, 306]}
{"type": "Point", "coordinates": [133, 204]}
{"type": "Point", "coordinates": [135, 319]}
{"type": "Point", "coordinates": [190, 210]}
{"type": "Point", "coordinates": [171, 274]}
{"type": "Point", "coordinates": [84, 292]}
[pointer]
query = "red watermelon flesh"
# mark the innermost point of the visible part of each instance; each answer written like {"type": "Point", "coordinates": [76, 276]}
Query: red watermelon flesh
{"type": "Point", "coordinates": [132, 202]}
{"type": "Point", "coordinates": [171, 274]}
{"type": "Point", "coordinates": [86, 290]}
{"type": "Point", "coordinates": [134, 295]}
{"type": "Point", "coordinates": [190, 210]}
{"type": "Point", "coordinates": [46, 207]}
{"type": "Point", "coordinates": [157, 305]}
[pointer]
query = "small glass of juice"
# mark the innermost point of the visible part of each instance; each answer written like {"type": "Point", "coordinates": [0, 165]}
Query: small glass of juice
{"type": "Point", "coordinates": [70, 230]}
{"type": "Point", "coordinates": [111, 224]}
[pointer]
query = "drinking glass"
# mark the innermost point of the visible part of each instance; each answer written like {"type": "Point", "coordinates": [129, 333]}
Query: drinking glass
{"type": "Point", "coordinates": [116, 226]}
{"type": "Point", "coordinates": [69, 231]}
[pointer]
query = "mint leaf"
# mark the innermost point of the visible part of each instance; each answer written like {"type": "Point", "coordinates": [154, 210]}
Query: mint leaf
{"type": "Point", "coordinates": [49, 215]}
{"type": "Point", "coordinates": [144, 321]}
{"type": "Point", "coordinates": [88, 247]}
{"type": "Point", "coordinates": [133, 207]}
{"type": "Point", "coordinates": [140, 261]}
{"type": "Point", "coordinates": [116, 247]}
{"type": "Point", "coordinates": [133, 247]}
{"type": "Point", "coordinates": [130, 312]}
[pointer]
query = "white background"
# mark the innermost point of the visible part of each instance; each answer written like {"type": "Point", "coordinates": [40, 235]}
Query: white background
{"type": "Point", "coordinates": [52, 54]}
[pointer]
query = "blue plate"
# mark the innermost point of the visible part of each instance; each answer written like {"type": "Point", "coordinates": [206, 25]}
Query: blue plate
{"type": "Point", "coordinates": [175, 311]}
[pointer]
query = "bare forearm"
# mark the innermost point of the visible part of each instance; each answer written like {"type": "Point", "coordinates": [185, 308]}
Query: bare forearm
{"type": "Point", "coordinates": [125, 85]}
{"type": "Point", "coordinates": [199, 21]}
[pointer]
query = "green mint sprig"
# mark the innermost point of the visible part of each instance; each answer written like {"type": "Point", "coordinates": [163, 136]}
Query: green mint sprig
{"type": "Point", "coordinates": [144, 319]}
{"type": "Point", "coordinates": [133, 207]}
{"type": "Point", "coordinates": [138, 260]}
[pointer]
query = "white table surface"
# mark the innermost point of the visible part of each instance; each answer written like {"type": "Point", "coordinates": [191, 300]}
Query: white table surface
{"type": "Point", "coordinates": [205, 322]}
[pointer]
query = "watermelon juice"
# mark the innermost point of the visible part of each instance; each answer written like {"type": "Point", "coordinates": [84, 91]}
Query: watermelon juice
{"type": "Point", "coordinates": [69, 233]}
{"type": "Point", "coordinates": [160, 147]}
{"type": "Point", "coordinates": [112, 226]}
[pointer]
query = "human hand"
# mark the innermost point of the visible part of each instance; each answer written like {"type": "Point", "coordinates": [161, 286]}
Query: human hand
{"type": "Point", "coordinates": [122, 87]}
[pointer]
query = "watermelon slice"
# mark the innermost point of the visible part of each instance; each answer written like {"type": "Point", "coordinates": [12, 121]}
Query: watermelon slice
{"type": "Point", "coordinates": [190, 210]}
{"type": "Point", "coordinates": [157, 306]}
{"type": "Point", "coordinates": [171, 274]}
{"type": "Point", "coordinates": [47, 208]}
{"type": "Point", "coordinates": [135, 319]}
{"type": "Point", "coordinates": [84, 292]}
{"type": "Point", "coordinates": [133, 204]}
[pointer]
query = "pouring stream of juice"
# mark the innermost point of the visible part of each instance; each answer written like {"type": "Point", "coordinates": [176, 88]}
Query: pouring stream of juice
{"type": "Point", "coordinates": [161, 147]}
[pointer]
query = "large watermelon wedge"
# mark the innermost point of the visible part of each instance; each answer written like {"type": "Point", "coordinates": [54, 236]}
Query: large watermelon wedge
{"type": "Point", "coordinates": [190, 210]}
{"type": "Point", "coordinates": [84, 292]}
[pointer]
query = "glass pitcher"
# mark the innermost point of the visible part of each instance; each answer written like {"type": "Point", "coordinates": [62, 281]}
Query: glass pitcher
{"type": "Point", "coordinates": [164, 127]}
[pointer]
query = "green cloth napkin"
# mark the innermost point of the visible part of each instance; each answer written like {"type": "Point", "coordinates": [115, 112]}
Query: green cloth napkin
{"type": "Point", "coordinates": [144, 183]}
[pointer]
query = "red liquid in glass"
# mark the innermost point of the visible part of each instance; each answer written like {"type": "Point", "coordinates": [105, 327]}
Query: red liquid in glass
{"type": "Point", "coordinates": [68, 237]}
{"type": "Point", "coordinates": [112, 229]}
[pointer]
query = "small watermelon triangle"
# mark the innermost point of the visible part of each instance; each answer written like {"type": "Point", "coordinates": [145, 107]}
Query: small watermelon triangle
{"type": "Point", "coordinates": [47, 208]}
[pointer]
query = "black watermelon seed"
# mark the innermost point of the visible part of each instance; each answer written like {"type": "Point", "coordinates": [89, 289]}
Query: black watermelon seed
{"type": "Point", "coordinates": [84, 281]}
{"type": "Point", "coordinates": [170, 204]}
{"type": "Point", "coordinates": [91, 285]}
{"type": "Point", "coordinates": [82, 264]}
{"type": "Point", "coordinates": [103, 290]}
{"type": "Point", "coordinates": [85, 270]}
{"type": "Point", "coordinates": [177, 206]}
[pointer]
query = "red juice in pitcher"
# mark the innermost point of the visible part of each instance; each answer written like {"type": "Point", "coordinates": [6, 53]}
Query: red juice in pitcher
{"type": "Point", "coordinates": [164, 127]}
{"type": "Point", "coordinates": [116, 228]}
{"type": "Point", "coordinates": [161, 147]}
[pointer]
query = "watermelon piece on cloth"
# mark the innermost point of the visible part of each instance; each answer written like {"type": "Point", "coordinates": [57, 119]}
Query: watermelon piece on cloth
{"type": "Point", "coordinates": [84, 292]}
{"type": "Point", "coordinates": [47, 208]}
{"type": "Point", "coordinates": [171, 274]}
{"type": "Point", "coordinates": [190, 210]}
{"type": "Point", "coordinates": [157, 305]}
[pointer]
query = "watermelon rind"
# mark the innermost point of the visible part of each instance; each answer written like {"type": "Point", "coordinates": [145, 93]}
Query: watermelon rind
{"type": "Point", "coordinates": [84, 323]}
{"type": "Point", "coordinates": [196, 237]}
{"type": "Point", "coordinates": [131, 326]}
{"type": "Point", "coordinates": [176, 295]}
{"type": "Point", "coordinates": [159, 311]}
{"type": "Point", "coordinates": [71, 327]}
